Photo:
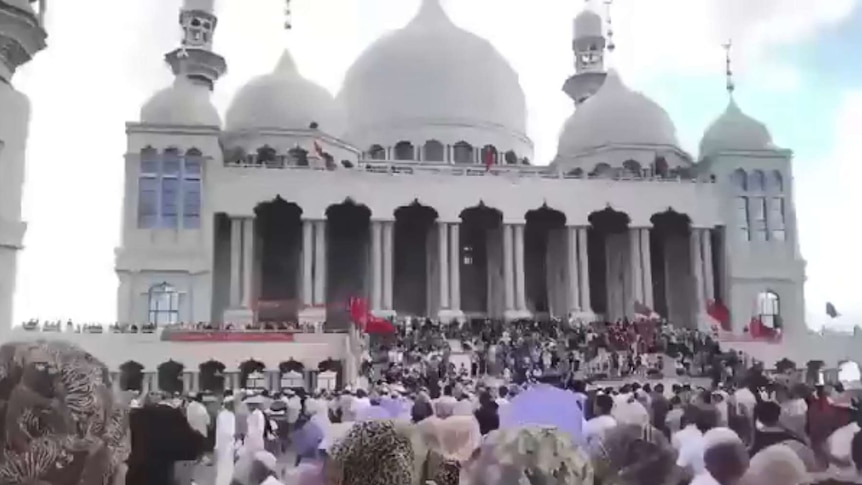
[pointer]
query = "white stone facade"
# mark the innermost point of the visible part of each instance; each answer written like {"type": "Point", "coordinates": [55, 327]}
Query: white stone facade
{"type": "Point", "coordinates": [225, 224]}
{"type": "Point", "coordinates": [21, 37]}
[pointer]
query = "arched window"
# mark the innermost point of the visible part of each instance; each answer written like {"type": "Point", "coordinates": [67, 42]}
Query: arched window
{"type": "Point", "coordinates": [632, 167]}
{"type": "Point", "coordinates": [434, 151]}
{"type": "Point", "coordinates": [148, 188]}
{"type": "Point", "coordinates": [298, 156]}
{"type": "Point", "coordinates": [266, 154]}
{"type": "Point", "coordinates": [462, 152]}
{"type": "Point", "coordinates": [776, 181]}
{"type": "Point", "coordinates": [769, 309]}
{"type": "Point", "coordinates": [739, 179]}
{"type": "Point", "coordinates": [404, 151]}
{"type": "Point", "coordinates": [489, 155]}
{"type": "Point", "coordinates": [191, 189]}
{"type": "Point", "coordinates": [602, 170]}
{"type": "Point", "coordinates": [376, 152]}
{"type": "Point", "coordinates": [511, 158]}
{"type": "Point", "coordinates": [757, 181]}
{"type": "Point", "coordinates": [164, 305]}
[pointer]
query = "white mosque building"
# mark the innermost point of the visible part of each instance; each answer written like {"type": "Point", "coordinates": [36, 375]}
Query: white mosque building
{"type": "Point", "coordinates": [417, 189]}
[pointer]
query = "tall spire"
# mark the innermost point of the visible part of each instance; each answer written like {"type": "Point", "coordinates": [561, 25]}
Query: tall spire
{"type": "Point", "coordinates": [731, 85]}
{"type": "Point", "coordinates": [288, 16]}
{"type": "Point", "coordinates": [610, 35]}
{"type": "Point", "coordinates": [195, 58]}
{"type": "Point", "coordinates": [590, 46]}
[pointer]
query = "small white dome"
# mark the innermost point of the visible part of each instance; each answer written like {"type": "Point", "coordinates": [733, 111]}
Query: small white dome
{"type": "Point", "coordinates": [616, 115]}
{"type": "Point", "coordinates": [588, 23]}
{"type": "Point", "coordinates": [182, 103]}
{"type": "Point", "coordinates": [283, 99]}
{"type": "Point", "coordinates": [735, 130]}
{"type": "Point", "coordinates": [432, 71]}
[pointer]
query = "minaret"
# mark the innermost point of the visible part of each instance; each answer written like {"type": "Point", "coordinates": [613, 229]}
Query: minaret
{"type": "Point", "coordinates": [22, 35]}
{"type": "Point", "coordinates": [195, 57]}
{"type": "Point", "coordinates": [589, 45]}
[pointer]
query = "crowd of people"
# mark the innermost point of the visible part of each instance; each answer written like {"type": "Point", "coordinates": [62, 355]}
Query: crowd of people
{"type": "Point", "coordinates": [531, 404]}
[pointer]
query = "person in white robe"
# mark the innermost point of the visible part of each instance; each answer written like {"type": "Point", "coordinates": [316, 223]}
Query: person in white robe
{"type": "Point", "coordinates": [256, 426]}
{"type": "Point", "coordinates": [225, 443]}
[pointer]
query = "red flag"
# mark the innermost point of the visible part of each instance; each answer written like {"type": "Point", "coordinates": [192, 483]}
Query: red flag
{"type": "Point", "coordinates": [379, 326]}
{"type": "Point", "coordinates": [488, 158]}
{"type": "Point", "coordinates": [759, 331]}
{"type": "Point", "coordinates": [358, 309]}
{"type": "Point", "coordinates": [720, 313]}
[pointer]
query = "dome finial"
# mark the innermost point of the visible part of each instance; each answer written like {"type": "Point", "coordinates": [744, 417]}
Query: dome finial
{"type": "Point", "coordinates": [288, 16]}
{"type": "Point", "coordinates": [285, 64]}
{"type": "Point", "coordinates": [610, 35]}
{"type": "Point", "coordinates": [731, 85]}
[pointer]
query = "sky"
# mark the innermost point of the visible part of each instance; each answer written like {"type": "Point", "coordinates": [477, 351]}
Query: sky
{"type": "Point", "coordinates": [794, 64]}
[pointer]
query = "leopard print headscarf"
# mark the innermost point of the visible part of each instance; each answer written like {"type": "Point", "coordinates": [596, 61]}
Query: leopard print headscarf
{"type": "Point", "coordinates": [59, 423]}
{"type": "Point", "coordinates": [632, 454]}
{"type": "Point", "coordinates": [388, 452]}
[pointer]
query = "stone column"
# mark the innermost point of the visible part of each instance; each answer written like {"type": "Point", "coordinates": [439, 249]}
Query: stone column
{"type": "Point", "coordinates": [508, 270]}
{"type": "Point", "coordinates": [520, 291]}
{"type": "Point", "coordinates": [708, 269]}
{"type": "Point", "coordinates": [307, 263]}
{"type": "Point", "coordinates": [697, 270]}
{"type": "Point", "coordinates": [235, 262]}
{"type": "Point", "coordinates": [443, 263]}
{"type": "Point", "coordinates": [584, 267]}
{"type": "Point", "coordinates": [636, 263]}
{"type": "Point", "coordinates": [320, 262]}
{"type": "Point", "coordinates": [376, 265]}
{"type": "Point", "coordinates": [646, 254]}
{"type": "Point", "coordinates": [455, 267]}
{"type": "Point", "coordinates": [248, 263]}
{"type": "Point", "coordinates": [388, 268]}
{"type": "Point", "coordinates": [574, 293]}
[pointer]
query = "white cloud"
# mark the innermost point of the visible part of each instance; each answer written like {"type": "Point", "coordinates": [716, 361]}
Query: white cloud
{"type": "Point", "coordinates": [103, 62]}
{"type": "Point", "coordinates": [828, 202]}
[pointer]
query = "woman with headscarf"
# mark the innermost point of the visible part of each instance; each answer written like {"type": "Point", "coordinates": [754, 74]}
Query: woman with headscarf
{"type": "Point", "coordinates": [61, 423]}
{"type": "Point", "coordinates": [631, 454]}
{"type": "Point", "coordinates": [386, 453]}
{"type": "Point", "coordinates": [530, 454]}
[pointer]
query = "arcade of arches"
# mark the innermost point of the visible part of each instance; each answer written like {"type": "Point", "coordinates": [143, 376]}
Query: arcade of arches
{"type": "Point", "coordinates": [281, 266]}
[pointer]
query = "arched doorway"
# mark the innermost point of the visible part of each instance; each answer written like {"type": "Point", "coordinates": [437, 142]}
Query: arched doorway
{"type": "Point", "coordinates": [212, 376]}
{"type": "Point", "coordinates": [170, 377]}
{"type": "Point", "coordinates": [670, 259]}
{"type": "Point", "coordinates": [609, 255]}
{"type": "Point", "coordinates": [348, 227]}
{"type": "Point", "coordinates": [481, 247]}
{"type": "Point", "coordinates": [131, 376]}
{"type": "Point", "coordinates": [247, 369]}
{"type": "Point", "coordinates": [279, 236]}
{"type": "Point", "coordinates": [544, 249]}
{"type": "Point", "coordinates": [413, 240]}
{"type": "Point", "coordinates": [292, 375]}
{"type": "Point", "coordinates": [332, 366]}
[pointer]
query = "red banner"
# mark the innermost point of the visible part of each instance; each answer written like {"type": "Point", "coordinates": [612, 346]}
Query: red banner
{"type": "Point", "coordinates": [216, 336]}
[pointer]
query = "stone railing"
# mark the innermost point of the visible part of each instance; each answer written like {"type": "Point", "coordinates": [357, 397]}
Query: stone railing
{"type": "Point", "coordinates": [398, 167]}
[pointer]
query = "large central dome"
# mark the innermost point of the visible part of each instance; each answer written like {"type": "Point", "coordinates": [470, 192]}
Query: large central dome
{"type": "Point", "coordinates": [429, 77]}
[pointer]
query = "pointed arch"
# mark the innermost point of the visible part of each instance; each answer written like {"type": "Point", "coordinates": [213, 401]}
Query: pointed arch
{"type": "Point", "coordinates": [757, 181]}
{"type": "Point", "coordinates": [739, 180]}
{"type": "Point", "coordinates": [434, 151]}
{"type": "Point", "coordinates": [376, 152]}
{"type": "Point", "coordinates": [247, 368]}
{"type": "Point", "coordinates": [131, 376]}
{"type": "Point", "coordinates": [212, 376]}
{"type": "Point", "coordinates": [170, 376]}
{"type": "Point", "coordinates": [405, 151]}
{"type": "Point", "coordinates": [462, 153]}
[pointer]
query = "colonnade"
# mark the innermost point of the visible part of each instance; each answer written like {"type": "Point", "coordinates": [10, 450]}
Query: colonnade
{"type": "Point", "coordinates": [628, 266]}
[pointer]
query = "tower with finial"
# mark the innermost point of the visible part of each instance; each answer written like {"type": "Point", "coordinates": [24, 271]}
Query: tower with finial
{"type": "Point", "coordinates": [195, 58]}
{"type": "Point", "coordinates": [22, 35]}
{"type": "Point", "coordinates": [589, 45]}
